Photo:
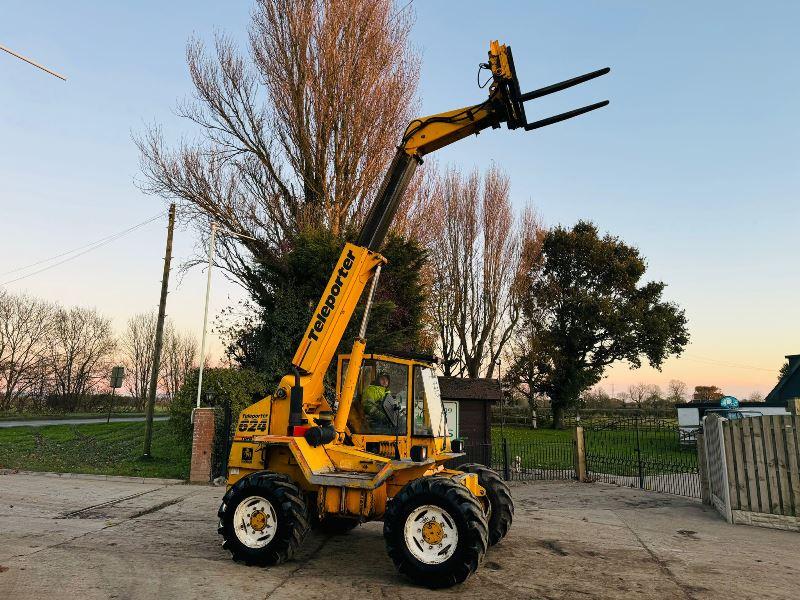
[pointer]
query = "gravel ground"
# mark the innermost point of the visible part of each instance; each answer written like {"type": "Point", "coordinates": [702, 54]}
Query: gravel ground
{"type": "Point", "coordinates": [91, 537]}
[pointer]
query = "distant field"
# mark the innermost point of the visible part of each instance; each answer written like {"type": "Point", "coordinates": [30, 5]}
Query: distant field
{"type": "Point", "coordinates": [106, 449]}
{"type": "Point", "coordinates": [13, 415]}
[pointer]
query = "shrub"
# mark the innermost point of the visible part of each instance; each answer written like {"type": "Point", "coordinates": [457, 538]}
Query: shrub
{"type": "Point", "coordinates": [242, 387]}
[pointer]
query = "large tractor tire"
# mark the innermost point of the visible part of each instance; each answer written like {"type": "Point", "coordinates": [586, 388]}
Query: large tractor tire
{"type": "Point", "coordinates": [435, 532]}
{"type": "Point", "coordinates": [502, 506]}
{"type": "Point", "coordinates": [263, 519]}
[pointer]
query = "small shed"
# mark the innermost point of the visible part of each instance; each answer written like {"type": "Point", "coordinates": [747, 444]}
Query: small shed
{"type": "Point", "coordinates": [468, 405]}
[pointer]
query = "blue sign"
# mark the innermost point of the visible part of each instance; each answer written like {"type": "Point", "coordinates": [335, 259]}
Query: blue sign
{"type": "Point", "coordinates": [729, 402]}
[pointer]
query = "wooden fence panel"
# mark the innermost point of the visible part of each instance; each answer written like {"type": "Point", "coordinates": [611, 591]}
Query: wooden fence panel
{"type": "Point", "coordinates": [771, 465]}
{"type": "Point", "coordinates": [761, 464]}
{"type": "Point", "coordinates": [715, 449]}
{"type": "Point", "coordinates": [781, 464]}
{"type": "Point", "coordinates": [793, 453]}
{"type": "Point", "coordinates": [739, 499]}
{"type": "Point", "coordinates": [753, 503]}
{"type": "Point", "coordinates": [733, 490]}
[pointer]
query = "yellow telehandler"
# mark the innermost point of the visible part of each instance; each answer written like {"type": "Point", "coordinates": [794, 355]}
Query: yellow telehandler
{"type": "Point", "coordinates": [379, 452]}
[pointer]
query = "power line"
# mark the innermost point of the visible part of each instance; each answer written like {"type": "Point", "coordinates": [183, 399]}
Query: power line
{"type": "Point", "coordinates": [109, 238]}
{"type": "Point", "coordinates": [76, 252]}
{"type": "Point", "coordinates": [722, 363]}
{"type": "Point", "coordinates": [32, 62]}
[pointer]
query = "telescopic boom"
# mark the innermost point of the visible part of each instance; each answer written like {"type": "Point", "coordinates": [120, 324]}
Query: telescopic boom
{"type": "Point", "coordinates": [358, 262]}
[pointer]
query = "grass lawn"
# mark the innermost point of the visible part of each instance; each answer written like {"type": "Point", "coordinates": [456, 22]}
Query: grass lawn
{"type": "Point", "coordinates": [106, 449]}
{"type": "Point", "coordinates": [608, 451]}
{"type": "Point", "coordinates": [526, 434]}
{"type": "Point", "coordinates": [546, 449]}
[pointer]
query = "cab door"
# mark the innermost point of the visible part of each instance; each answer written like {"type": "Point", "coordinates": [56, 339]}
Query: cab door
{"type": "Point", "coordinates": [380, 414]}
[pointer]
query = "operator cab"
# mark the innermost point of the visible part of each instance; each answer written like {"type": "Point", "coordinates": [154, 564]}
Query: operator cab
{"type": "Point", "coordinates": [396, 403]}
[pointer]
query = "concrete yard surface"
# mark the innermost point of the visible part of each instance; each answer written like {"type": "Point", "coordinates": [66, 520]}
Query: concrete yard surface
{"type": "Point", "coordinates": [118, 538]}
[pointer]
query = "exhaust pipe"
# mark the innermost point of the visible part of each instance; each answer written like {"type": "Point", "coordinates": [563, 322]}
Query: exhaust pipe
{"type": "Point", "coordinates": [295, 402]}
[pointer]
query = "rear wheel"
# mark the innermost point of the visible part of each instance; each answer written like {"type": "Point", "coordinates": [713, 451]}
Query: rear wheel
{"type": "Point", "coordinates": [502, 505]}
{"type": "Point", "coordinates": [263, 519]}
{"type": "Point", "coordinates": [435, 532]}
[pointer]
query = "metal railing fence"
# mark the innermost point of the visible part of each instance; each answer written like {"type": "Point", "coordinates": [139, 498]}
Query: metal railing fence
{"type": "Point", "coordinates": [642, 452]}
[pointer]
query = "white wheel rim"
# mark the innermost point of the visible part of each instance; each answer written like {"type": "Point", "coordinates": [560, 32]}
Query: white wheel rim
{"type": "Point", "coordinates": [255, 522]}
{"type": "Point", "coordinates": [430, 534]}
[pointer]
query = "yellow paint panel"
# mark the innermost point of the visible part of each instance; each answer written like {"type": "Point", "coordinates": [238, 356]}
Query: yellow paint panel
{"type": "Point", "coordinates": [335, 308]}
{"type": "Point", "coordinates": [360, 503]}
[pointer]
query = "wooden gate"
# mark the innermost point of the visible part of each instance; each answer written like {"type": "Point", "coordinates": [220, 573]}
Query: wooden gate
{"type": "Point", "coordinates": [719, 491]}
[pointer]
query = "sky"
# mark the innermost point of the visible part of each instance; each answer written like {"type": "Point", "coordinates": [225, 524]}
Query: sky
{"type": "Point", "coordinates": [695, 161]}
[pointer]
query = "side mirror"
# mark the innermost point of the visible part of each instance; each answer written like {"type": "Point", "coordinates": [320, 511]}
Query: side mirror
{"type": "Point", "coordinates": [419, 453]}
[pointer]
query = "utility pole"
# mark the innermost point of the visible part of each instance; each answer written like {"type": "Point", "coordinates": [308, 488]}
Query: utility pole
{"type": "Point", "coordinates": [215, 230]}
{"type": "Point", "coordinates": [162, 313]}
{"type": "Point", "coordinates": [211, 242]}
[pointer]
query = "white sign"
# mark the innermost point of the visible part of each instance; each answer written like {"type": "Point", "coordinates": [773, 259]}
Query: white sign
{"type": "Point", "coordinates": [451, 410]}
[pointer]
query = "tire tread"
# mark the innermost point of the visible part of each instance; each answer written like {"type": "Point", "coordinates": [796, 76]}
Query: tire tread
{"type": "Point", "coordinates": [287, 499]}
{"type": "Point", "coordinates": [475, 537]}
{"type": "Point", "coordinates": [500, 499]}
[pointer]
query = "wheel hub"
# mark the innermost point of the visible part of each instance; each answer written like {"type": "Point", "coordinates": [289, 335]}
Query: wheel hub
{"type": "Point", "coordinates": [258, 520]}
{"type": "Point", "coordinates": [430, 534]}
{"type": "Point", "coordinates": [255, 522]}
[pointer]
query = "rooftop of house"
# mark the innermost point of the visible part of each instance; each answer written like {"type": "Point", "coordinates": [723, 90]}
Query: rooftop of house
{"type": "Point", "coordinates": [789, 385]}
{"type": "Point", "coordinates": [457, 388]}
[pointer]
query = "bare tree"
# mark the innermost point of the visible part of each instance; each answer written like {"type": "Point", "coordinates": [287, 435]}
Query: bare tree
{"type": "Point", "coordinates": [755, 397]}
{"type": "Point", "coordinates": [296, 133]}
{"type": "Point", "coordinates": [137, 345]}
{"type": "Point", "coordinates": [677, 391]}
{"type": "Point", "coordinates": [80, 346]}
{"type": "Point", "coordinates": [24, 325]}
{"type": "Point", "coordinates": [419, 214]}
{"type": "Point", "coordinates": [179, 357]}
{"type": "Point", "coordinates": [644, 395]}
{"type": "Point", "coordinates": [596, 397]}
{"type": "Point", "coordinates": [636, 394]}
{"type": "Point", "coordinates": [481, 255]}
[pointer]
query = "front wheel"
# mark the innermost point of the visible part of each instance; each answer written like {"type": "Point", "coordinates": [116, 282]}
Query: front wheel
{"type": "Point", "coordinates": [435, 532]}
{"type": "Point", "coordinates": [263, 519]}
{"type": "Point", "coordinates": [500, 501]}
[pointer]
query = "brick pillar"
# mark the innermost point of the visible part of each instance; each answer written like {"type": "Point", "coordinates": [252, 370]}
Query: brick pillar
{"type": "Point", "coordinates": [202, 444]}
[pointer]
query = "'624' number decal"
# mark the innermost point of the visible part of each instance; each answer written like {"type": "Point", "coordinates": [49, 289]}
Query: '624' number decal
{"type": "Point", "coordinates": [252, 425]}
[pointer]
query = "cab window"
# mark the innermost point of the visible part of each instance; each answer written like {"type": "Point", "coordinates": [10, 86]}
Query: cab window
{"type": "Point", "coordinates": [429, 415]}
{"type": "Point", "coordinates": [422, 425]}
{"type": "Point", "coordinates": [380, 399]}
